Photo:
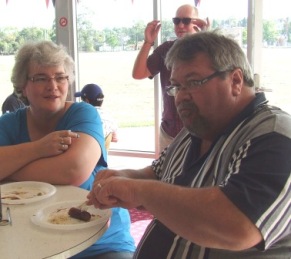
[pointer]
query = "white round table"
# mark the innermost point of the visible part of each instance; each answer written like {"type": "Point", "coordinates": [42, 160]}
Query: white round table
{"type": "Point", "coordinates": [25, 240]}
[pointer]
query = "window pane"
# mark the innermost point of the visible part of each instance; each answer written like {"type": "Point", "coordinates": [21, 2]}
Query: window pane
{"type": "Point", "coordinates": [32, 20]}
{"type": "Point", "coordinates": [276, 52]}
{"type": "Point", "coordinates": [110, 35]}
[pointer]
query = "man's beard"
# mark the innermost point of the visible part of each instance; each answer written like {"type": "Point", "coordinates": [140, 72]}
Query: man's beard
{"type": "Point", "coordinates": [192, 119]}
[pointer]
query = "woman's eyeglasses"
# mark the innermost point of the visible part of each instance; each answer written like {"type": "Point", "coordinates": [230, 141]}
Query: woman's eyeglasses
{"type": "Point", "coordinates": [185, 21]}
{"type": "Point", "coordinates": [44, 79]}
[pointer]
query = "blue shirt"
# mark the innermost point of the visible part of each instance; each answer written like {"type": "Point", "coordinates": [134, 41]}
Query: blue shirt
{"type": "Point", "coordinates": [80, 117]}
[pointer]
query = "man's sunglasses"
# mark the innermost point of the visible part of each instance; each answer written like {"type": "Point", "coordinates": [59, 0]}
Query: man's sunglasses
{"type": "Point", "coordinates": [185, 21]}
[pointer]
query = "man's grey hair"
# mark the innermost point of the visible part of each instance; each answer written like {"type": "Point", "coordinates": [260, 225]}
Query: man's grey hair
{"type": "Point", "coordinates": [44, 53]}
{"type": "Point", "coordinates": [224, 52]}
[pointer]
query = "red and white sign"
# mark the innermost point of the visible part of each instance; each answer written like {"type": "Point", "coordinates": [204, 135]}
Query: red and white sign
{"type": "Point", "coordinates": [63, 21]}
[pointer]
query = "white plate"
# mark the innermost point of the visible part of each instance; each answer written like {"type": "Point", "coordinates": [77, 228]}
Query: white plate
{"type": "Point", "coordinates": [56, 216]}
{"type": "Point", "coordinates": [26, 192]}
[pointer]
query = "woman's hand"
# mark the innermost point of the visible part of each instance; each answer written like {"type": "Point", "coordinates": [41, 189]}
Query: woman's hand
{"type": "Point", "coordinates": [55, 143]}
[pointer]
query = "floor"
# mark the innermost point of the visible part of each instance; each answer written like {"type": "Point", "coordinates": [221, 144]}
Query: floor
{"type": "Point", "coordinates": [139, 222]}
{"type": "Point", "coordinates": [123, 162]}
{"type": "Point", "coordinates": [135, 138]}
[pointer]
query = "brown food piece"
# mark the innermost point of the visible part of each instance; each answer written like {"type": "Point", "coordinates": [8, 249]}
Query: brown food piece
{"type": "Point", "coordinates": [79, 214]}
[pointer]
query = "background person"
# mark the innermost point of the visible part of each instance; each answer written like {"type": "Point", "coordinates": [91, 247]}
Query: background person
{"type": "Point", "coordinates": [222, 188]}
{"type": "Point", "coordinates": [56, 141]}
{"type": "Point", "coordinates": [185, 22]}
{"type": "Point", "coordinates": [92, 94]}
{"type": "Point", "coordinates": [13, 103]}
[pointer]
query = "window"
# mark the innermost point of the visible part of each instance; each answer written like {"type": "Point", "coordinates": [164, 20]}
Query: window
{"type": "Point", "coordinates": [110, 35]}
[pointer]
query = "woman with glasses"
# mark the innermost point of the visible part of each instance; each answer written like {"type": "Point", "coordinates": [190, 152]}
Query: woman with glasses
{"type": "Point", "coordinates": [185, 22]}
{"type": "Point", "coordinates": [54, 140]}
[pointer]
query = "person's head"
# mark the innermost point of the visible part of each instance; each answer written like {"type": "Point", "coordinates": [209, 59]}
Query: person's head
{"type": "Point", "coordinates": [187, 21]}
{"type": "Point", "coordinates": [91, 93]}
{"type": "Point", "coordinates": [211, 80]}
{"type": "Point", "coordinates": [36, 63]}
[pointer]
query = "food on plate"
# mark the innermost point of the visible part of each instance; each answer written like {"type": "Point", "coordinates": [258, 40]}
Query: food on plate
{"type": "Point", "coordinates": [79, 214]}
{"type": "Point", "coordinates": [21, 193]}
{"type": "Point", "coordinates": [61, 216]}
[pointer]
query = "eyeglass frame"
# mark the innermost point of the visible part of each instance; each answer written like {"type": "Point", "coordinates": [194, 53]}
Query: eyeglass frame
{"type": "Point", "coordinates": [184, 20]}
{"type": "Point", "coordinates": [172, 90]}
{"type": "Point", "coordinates": [47, 79]}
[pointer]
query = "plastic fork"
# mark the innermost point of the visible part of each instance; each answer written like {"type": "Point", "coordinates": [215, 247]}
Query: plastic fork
{"type": "Point", "coordinates": [83, 206]}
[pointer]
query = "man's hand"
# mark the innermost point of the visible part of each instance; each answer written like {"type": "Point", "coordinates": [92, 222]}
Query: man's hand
{"type": "Point", "coordinates": [201, 25]}
{"type": "Point", "coordinates": [151, 31]}
{"type": "Point", "coordinates": [113, 192]}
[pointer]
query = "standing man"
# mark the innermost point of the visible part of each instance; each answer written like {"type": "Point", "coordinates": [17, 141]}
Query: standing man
{"type": "Point", "coordinates": [185, 22]}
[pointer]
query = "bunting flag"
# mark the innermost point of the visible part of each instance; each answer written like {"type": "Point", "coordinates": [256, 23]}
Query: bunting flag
{"type": "Point", "coordinates": [54, 2]}
{"type": "Point", "coordinates": [197, 2]}
{"type": "Point", "coordinates": [46, 1]}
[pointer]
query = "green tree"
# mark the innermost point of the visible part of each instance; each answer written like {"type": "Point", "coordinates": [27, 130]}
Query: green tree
{"type": "Point", "coordinates": [86, 33]}
{"type": "Point", "coordinates": [128, 38]}
{"type": "Point", "coordinates": [167, 30]}
{"type": "Point", "coordinates": [270, 33]}
{"type": "Point", "coordinates": [136, 34]}
{"type": "Point", "coordinates": [31, 34]}
{"type": "Point", "coordinates": [244, 36]}
{"type": "Point", "coordinates": [286, 29]}
{"type": "Point", "coordinates": [8, 43]}
{"type": "Point", "coordinates": [52, 32]}
{"type": "Point", "coordinates": [111, 38]}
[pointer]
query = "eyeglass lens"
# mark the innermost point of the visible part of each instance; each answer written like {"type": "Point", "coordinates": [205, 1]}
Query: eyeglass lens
{"type": "Point", "coordinates": [44, 79]}
{"type": "Point", "coordinates": [185, 21]}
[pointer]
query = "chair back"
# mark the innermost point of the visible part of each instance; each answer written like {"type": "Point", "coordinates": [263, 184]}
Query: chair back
{"type": "Point", "coordinates": [108, 139]}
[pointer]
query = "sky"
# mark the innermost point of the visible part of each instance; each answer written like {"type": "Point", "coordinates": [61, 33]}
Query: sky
{"type": "Point", "coordinates": [119, 13]}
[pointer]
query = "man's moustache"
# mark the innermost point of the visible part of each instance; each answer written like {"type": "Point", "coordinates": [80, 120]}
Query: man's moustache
{"type": "Point", "coordinates": [187, 105]}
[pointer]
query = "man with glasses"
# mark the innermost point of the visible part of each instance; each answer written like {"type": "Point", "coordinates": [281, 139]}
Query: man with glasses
{"type": "Point", "coordinates": [222, 188]}
{"type": "Point", "coordinates": [147, 66]}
